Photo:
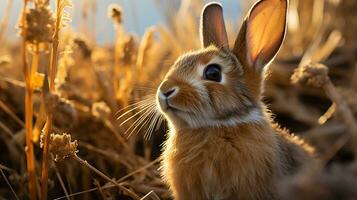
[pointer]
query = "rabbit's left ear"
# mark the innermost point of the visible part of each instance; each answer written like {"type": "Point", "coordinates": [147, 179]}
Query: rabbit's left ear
{"type": "Point", "coordinates": [213, 30]}
{"type": "Point", "coordinates": [262, 33]}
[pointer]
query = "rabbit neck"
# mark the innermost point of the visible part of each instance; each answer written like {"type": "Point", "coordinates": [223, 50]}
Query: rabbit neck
{"type": "Point", "coordinates": [244, 138]}
{"type": "Point", "coordinates": [255, 115]}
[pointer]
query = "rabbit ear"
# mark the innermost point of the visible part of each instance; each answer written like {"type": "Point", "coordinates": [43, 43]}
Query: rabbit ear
{"type": "Point", "coordinates": [213, 30]}
{"type": "Point", "coordinates": [262, 33]}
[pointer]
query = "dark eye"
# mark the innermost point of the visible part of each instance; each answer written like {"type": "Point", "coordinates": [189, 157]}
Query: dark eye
{"type": "Point", "coordinates": [212, 72]}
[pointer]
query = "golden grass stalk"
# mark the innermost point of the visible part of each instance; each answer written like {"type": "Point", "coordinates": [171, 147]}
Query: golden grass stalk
{"type": "Point", "coordinates": [29, 110]}
{"type": "Point", "coordinates": [115, 13]}
{"type": "Point", "coordinates": [34, 64]}
{"type": "Point", "coordinates": [40, 121]}
{"type": "Point", "coordinates": [145, 45]}
{"type": "Point", "coordinates": [44, 175]}
{"type": "Point", "coordinates": [60, 14]}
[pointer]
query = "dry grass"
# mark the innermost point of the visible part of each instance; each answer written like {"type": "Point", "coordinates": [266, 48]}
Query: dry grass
{"type": "Point", "coordinates": [66, 83]}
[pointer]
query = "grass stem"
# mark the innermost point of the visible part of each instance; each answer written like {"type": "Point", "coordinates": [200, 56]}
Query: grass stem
{"type": "Point", "coordinates": [29, 111]}
{"type": "Point", "coordinates": [124, 189]}
{"type": "Point", "coordinates": [49, 119]}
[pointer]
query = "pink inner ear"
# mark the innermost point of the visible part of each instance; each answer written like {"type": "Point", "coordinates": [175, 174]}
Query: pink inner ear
{"type": "Point", "coordinates": [265, 31]}
{"type": "Point", "coordinates": [213, 27]}
{"type": "Point", "coordinates": [218, 23]}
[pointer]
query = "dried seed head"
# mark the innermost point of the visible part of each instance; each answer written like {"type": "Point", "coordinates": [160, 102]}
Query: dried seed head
{"type": "Point", "coordinates": [39, 25]}
{"type": "Point", "coordinates": [83, 47]}
{"type": "Point", "coordinates": [62, 147]}
{"type": "Point", "coordinates": [101, 110]}
{"type": "Point", "coordinates": [313, 74]}
{"type": "Point", "coordinates": [115, 13]}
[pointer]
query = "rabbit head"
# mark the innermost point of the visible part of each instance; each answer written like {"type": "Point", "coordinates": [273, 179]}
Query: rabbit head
{"type": "Point", "coordinates": [218, 86]}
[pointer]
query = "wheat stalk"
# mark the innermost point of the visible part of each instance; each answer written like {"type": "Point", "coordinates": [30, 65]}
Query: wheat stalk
{"type": "Point", "coordinates": [29, 110]}
{"type": "Point", "coordinates": [61, 17]}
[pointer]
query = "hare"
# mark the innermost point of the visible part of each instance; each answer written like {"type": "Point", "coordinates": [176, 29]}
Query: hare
{"type": "Point", "coordinates": [222, 143]}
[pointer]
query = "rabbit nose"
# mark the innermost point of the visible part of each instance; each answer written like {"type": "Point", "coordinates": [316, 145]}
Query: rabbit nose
{"type": "Point", "coordinates": [170, 92]}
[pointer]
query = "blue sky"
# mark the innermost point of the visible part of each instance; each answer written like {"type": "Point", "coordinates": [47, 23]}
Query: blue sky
{"type": "Point", "coordinates": [146, 14]}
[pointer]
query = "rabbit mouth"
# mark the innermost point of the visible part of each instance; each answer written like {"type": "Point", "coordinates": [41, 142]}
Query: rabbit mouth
{"type": "Point", "coordinates": [170, 107]}
{"type": "Point", "coordinates": [166, 106]}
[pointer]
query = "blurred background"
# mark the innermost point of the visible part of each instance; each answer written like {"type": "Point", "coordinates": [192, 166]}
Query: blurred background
{"type": "Point", "coordinates": [111, 57]}
{"type": "Point", "coordinates": [139, 15]}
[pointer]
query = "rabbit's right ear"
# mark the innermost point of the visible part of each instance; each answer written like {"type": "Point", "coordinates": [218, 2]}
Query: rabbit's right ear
{"type": "Point", "coordinates": [213, 30]}
{"type": "Point", "coordinates": [262, 33]}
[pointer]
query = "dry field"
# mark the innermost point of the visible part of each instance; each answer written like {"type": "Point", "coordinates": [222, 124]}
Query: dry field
{"type": "Point", "coordinates": [77, 119]}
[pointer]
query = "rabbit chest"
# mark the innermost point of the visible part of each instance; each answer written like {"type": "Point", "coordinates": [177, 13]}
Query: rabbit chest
{"type": "Point", "coordinates": [225, 163]}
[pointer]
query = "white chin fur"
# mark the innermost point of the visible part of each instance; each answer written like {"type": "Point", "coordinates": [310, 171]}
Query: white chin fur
{"type": "Point", "coordinates": [253, 116]}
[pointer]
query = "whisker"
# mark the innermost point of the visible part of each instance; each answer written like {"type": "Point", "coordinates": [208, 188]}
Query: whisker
{"type": "Point", "coordinates": [148, 97]}
{"type": "Point", "coordinates": [147, 112]}
{"type": "Point", "coordinates": [152, 126]}
{"type": "Point", "coordinates": [149, 116]}
{"type": "Point", "coordinates": [152, 122]}
{"type": "Point", "coordinates": [143, 121]}
{"type": "Point", "coordinates": [141, 105]}
{"type": "Point", "coordinates": [131, 117]}
{"type": "Point", "coordinates": [148, 100]}
{"type": "Point", "coordinates": [161, 120]}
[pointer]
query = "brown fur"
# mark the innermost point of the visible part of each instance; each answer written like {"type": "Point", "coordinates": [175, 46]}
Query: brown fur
{"type": "Point", "coordinates": [221, 164]}
{"type": "Point", "coordinates": [222, 144]}
{"type": "Point", "coordinates": [242, 162]}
